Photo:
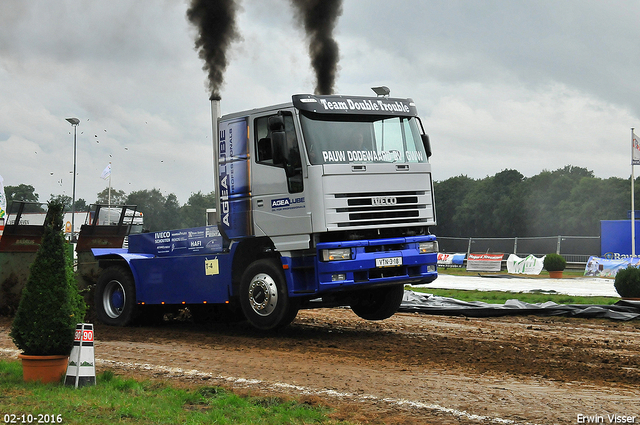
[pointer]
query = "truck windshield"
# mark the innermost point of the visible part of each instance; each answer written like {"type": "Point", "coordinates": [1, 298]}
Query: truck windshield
{"type": "Point", "coordinates": [363, 139]}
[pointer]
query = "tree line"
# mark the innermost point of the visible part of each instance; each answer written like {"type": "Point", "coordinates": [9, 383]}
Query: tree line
{"type": "Point", "coordinates": [161, 212]}
{"type": "Point", "coordinates": [569, 201]}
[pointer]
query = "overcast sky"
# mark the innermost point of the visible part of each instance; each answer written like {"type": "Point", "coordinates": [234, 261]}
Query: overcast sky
{"type": "Point", "coordinates": [525, 85]}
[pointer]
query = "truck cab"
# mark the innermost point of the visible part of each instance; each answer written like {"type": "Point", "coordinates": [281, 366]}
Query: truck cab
{"type": "Point", "coordinates": [336, 188]}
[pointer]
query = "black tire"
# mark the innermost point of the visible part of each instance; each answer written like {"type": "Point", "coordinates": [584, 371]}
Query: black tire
{"type": "Point", "coordinates": [263, 296]}
{"type": "Point", "coordinates": [292, 312]}
{"type": "Point", "coordinates": [115, 297]}
{"type": "Point", "coordinates": [379, 303]}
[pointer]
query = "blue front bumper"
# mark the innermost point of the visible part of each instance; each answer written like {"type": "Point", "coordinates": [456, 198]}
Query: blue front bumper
{"type": "Point", "coordinates": [362, 270]}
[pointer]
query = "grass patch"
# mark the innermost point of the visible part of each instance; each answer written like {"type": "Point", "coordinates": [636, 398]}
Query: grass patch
{"type": "Point", "coordinates": [499, 297]}
{"type": "Point", "coordinates": [121, 400]}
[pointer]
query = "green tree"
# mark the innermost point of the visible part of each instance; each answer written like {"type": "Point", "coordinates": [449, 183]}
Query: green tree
{"type": "Point", "coordinates": [492, 207]}
{"type": "Point", "coordinates": [81, 205]}
{"type": "Point", "coordinates": [449, 195]}
{"type": "Point", "coordinates": [160, 212]}
{"type": "Point", "coordinates": [63, 199]}
{"type": "Point", "coordinates": [592, 200]}
{"type": "Point", "coordinates": [474, 212]}
{"type": "Point", "coordinates": [192, 214]}
{"type": "Point", "coordinates": [50, 306]}
{"type": "Point", "coordinates": [118, 197]}
{"type": "Point", "coordinates": [23, 192]}
{"type": "Point", "coordinates": [567, 201]}
{"type": "Point", "coordinates": [545, 194]}
{"type": "Point", "coordinates": [508, 215]}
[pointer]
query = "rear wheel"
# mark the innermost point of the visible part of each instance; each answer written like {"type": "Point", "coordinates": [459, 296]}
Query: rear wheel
{"type": "Point", "coordinates": [115, 297]}
{"type": "Point", "coordinates": [263, 296]}
{"type": "Point", "coordinates": [378, 303]}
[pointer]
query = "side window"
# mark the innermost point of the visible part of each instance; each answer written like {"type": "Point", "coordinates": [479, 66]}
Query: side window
{"type": "Point", "coordinates": [291, 161]}
{"type": "Point", "coordinates": [264, 154]}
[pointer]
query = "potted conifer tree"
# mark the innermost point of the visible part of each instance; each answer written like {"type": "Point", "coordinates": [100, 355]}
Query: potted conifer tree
{"type": "Point", "coordinates": [50, 305]}
{"type": "Point", "coordinates": [554, 264]}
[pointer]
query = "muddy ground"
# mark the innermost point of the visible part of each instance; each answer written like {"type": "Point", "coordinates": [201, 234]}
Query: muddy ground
{"type": "Point", "coordinates": [410, 369]}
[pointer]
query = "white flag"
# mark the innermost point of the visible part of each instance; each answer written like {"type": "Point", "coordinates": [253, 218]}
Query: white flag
{"type": "Point", "coordinates": [106, 172]}
{"type": "Point", "coordinates": [3, 200]}
{"type": "Point", "coordinates": [635, 149]}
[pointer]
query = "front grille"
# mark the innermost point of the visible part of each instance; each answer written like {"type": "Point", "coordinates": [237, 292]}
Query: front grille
{"type": "Point", "coordinates": [386, 247]}
{"type": "Point", "coordinates": [375, 209]}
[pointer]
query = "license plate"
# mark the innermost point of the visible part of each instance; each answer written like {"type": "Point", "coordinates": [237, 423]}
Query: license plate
{"type": "Point", "coordinates": [389, 262]}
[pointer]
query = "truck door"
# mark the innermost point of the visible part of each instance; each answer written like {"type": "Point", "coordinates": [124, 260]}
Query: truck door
{"type": "Point", "coordinates": [279, 198]}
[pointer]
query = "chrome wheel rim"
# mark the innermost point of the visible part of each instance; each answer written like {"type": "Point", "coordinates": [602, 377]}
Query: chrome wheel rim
{"type": "Point", "coordinates": [114, 298]}
{"type": "Point", "coordinates": [263, 294]}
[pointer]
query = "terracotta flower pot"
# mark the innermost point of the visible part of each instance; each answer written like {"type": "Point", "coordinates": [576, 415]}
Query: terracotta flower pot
{"type": "Point", "coordinates": [43, 368]}
{"type": "Point", "coordinates": [556, 275]}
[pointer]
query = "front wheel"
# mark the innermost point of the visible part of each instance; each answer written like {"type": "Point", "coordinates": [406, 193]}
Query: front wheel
{"type": "Point", "coordinates": [115, 297]}
{"type": "Point", "coordinates": [378, 303]}
{"type": "Point", "coordinates": [264, 298]}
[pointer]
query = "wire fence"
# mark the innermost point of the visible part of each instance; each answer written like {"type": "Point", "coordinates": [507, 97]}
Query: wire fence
{"type": "Point", "coordinates": [575, 249]}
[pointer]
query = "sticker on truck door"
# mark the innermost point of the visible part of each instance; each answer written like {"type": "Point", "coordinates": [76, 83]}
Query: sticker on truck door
{"type": "Point", "coordinates": [211, 267]}
{"type": "Point", "coordinates": [287, 203]}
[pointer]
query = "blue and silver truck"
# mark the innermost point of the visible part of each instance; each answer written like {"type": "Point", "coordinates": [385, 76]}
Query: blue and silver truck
{"type": "Point", "coordinates": [320, 202]}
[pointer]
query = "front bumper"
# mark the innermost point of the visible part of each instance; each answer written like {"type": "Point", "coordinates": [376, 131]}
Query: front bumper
{"type": "Point", "coordinates": [404, 263]}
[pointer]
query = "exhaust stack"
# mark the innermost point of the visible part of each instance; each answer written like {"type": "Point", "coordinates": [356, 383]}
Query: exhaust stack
{"type": "Point", "coordinates": [215, 121]}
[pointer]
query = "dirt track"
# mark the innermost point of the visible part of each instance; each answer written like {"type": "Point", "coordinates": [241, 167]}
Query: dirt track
{"type": "Point", "coordinates": [410, 369]}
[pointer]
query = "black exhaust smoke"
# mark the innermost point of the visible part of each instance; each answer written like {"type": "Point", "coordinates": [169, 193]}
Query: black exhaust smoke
{"type": "Point", "coordinates": [216, 24]}
{"type": "Point", "coordinates": [318, 17]}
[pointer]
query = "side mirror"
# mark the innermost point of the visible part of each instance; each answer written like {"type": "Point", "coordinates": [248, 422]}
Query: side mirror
{"type": "Point", "coordinates": [427, 144]}
{"type": "Point", "coordinates": [278, 139]}
{"type": "Point", "coordinates": [278, 146]}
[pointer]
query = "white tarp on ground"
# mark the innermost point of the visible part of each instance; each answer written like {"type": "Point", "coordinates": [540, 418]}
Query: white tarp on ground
{"type": "Point", "coordinates": [528, 265]}
{"type": "Point", "coordinates": [579, 286]}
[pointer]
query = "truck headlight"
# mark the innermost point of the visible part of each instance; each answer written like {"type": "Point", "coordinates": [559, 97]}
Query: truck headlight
{"type": "Point", "coordinates": [425, 247]}
{"type": "Point", "coordinates": [336, 254]}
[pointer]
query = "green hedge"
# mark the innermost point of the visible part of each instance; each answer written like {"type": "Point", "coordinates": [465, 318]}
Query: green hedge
{"type": "Point", "coordinates": [554, 263]}
{"type": "Point", "coordinates": [627, 282]}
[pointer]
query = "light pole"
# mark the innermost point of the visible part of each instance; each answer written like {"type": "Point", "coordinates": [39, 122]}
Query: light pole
{"type": "Point", "coordinates": [74, 122]}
